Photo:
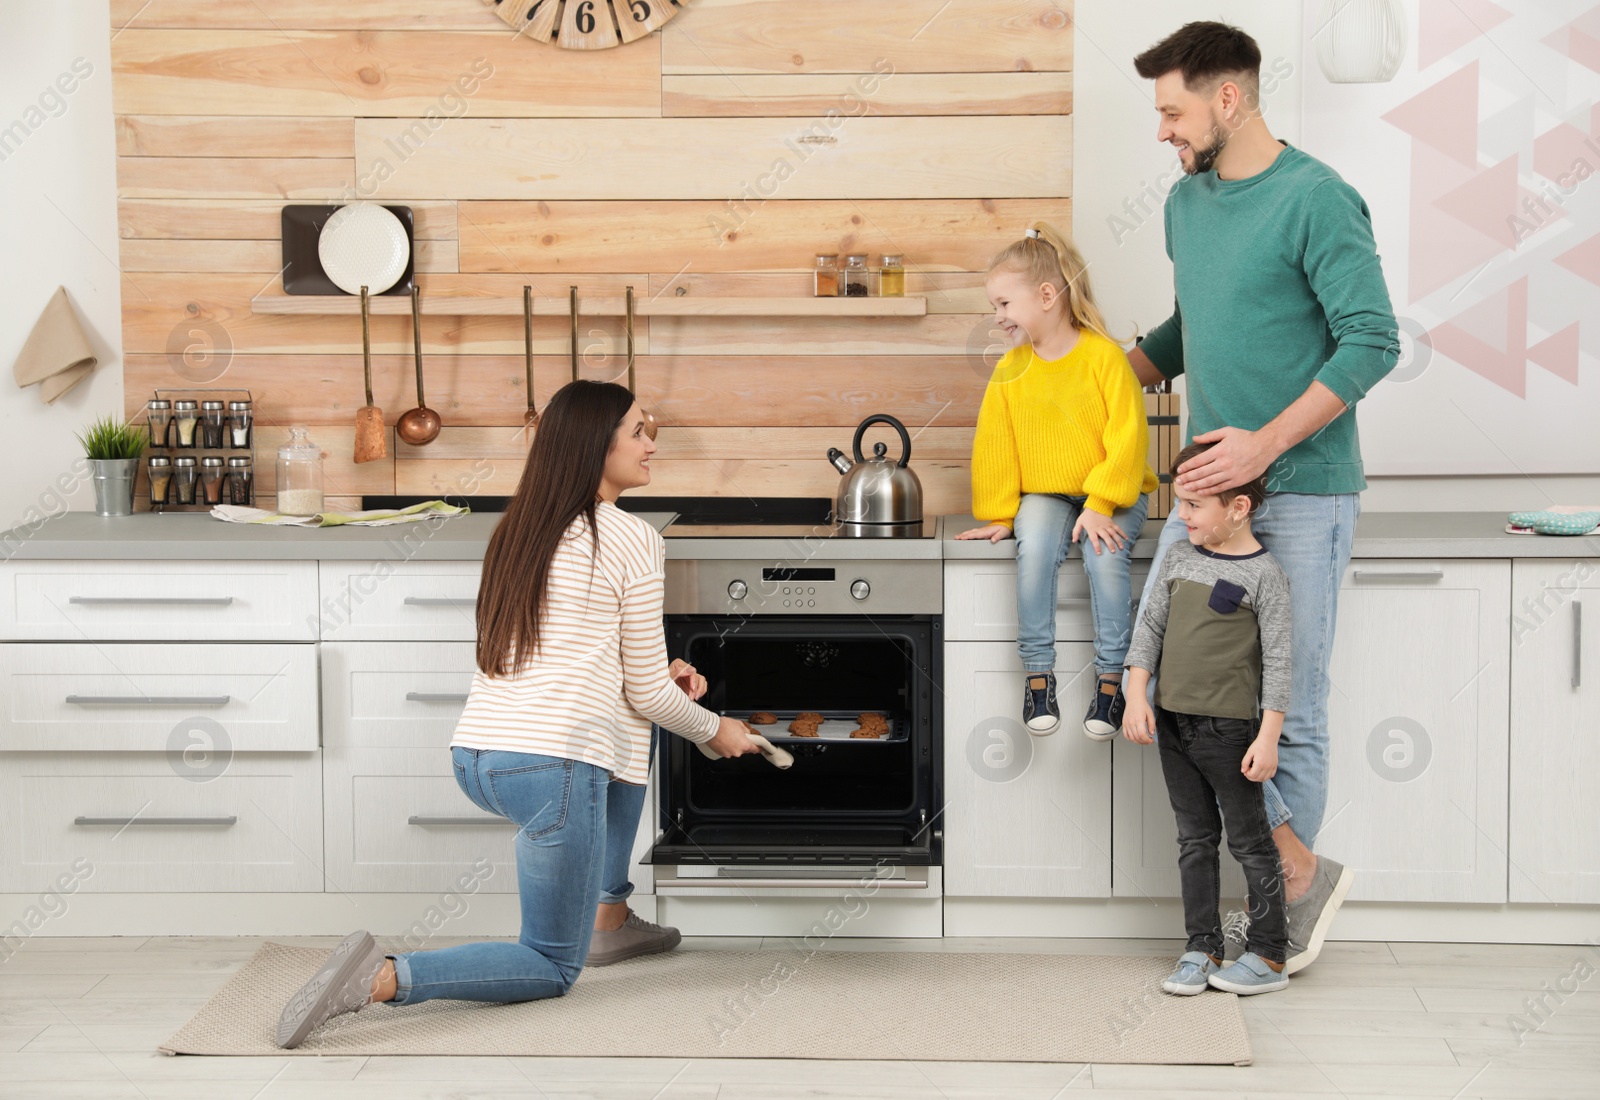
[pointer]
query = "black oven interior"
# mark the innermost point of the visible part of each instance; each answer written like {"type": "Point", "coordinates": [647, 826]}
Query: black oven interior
{"type": "Point", "coordinates": [849, 800]}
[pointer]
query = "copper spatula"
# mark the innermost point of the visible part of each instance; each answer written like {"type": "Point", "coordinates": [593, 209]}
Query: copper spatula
{"type": "Point", "coordinates": [371, 441]}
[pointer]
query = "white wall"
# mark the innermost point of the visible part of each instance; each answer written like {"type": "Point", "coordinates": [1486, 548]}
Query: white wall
{"type": "Point", "coordinates": [58, 227]}
{"type": "Point", "coordinates": [1118, 159]}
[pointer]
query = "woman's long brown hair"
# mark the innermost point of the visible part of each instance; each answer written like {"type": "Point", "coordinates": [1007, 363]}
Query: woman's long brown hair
{"type": "Point", "coordinates": [560, 482]}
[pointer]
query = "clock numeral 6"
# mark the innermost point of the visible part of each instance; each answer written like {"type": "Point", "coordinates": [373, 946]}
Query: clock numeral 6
{"type": "Point", "coordinates": [585, 17]}
{"type": "Point", "coordinates": [640, 9]}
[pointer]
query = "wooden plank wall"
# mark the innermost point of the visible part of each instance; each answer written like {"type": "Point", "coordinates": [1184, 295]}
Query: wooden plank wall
{"type": "Point", "coordinates": [712, 159]}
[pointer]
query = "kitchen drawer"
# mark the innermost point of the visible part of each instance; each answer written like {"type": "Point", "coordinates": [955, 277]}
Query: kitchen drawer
{"type": "Point", "coordinates": [394, 694]}
{"type": "Point", "coordinates": [980, 600]}
{"type": "Point", "coordinates": [158, 600]}
{"type": "Point", "coordinates": [257, 826]}
{"type": "Point", "coordinates": [410, 601]}
{"type": "Point", "coordinates": [157, 697]}
{"type": "Point", "coordinates": [397, 822]}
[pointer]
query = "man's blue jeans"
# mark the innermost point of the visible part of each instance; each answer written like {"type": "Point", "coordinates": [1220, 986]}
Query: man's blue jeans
{"type": "Point", "coordinates": [1310, 536]}
{"type": "Point", "coordinates": [576, 827]}
{"type": "Point", "coordinates": [1043, 528]}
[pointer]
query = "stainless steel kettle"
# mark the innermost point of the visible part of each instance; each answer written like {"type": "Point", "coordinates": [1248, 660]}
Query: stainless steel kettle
{"type": "Point", "coordinates": [878, 497]}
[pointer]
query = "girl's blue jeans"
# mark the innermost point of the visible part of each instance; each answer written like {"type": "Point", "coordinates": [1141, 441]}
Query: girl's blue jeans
{"type": "Point", "coordinates": [1043, 528]}
{"type": "Point", "coordinates": [576, 827]}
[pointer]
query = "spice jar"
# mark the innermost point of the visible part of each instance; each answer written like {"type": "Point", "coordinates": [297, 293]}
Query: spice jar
{"type": "Point", "coordinates": [186, 419]}
{"type": "Point", "coordinates": [211, 479]}
{"type": "Point", "coordinates": [892, 279]}
{"type": "Point", "coordinates": [241, 481]}
{"type": "Point", "coordinates": [184, 476]}
{"type": "Point", "coordinates": [853, 278]}
{"type": "Point", "coordinates": [160, 416]}
{"type": "Point", "coordinates": [212, 422]}
{"type": "Point", "coordinates": [241, 419]}
{"type": "Point", "coordinates": [160, 478]}
{"type": "Point", "coordinates": [299, 475]}
{"type": "Point", "coordinates": [826, 280]}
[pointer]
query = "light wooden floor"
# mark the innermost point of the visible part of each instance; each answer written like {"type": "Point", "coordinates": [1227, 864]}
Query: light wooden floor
{"type": "Point", "coordinates": [81, 1018]}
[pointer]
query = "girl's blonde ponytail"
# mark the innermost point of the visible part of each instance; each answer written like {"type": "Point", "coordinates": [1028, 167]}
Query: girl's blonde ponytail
{"type": "Point", "coordinates": [1047, 255]}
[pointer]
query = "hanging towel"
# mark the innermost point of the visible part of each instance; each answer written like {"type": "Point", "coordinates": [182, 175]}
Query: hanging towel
{"type": "Point", "coordinates": [57, 354]}
{"type": "Point", "coordinates": [375, 517]}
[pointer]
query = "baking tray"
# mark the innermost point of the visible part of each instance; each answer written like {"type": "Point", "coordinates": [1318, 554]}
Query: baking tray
{"type": "Point", "coordinates": [836, 726]}
{"type": "Point", "coordinates": [302, 268]}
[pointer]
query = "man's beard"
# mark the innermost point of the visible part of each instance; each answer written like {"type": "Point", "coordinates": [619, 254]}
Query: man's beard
{"type": "Point", "coordinates": [1206, 159]}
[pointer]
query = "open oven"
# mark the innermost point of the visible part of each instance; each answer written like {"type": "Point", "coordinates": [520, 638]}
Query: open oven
{"type": "Point", "coordinates": [859, 795]}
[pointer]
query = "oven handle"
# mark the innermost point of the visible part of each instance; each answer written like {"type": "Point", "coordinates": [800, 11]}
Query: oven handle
{"type": "Point", "coordinates": [798, 883]}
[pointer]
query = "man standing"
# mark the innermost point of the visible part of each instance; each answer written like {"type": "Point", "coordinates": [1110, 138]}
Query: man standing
{"type": "Point", "coordinates": [1282, 323]}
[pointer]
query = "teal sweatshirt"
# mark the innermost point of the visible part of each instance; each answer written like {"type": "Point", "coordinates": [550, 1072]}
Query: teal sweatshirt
{"type": "Point", "coordinates": [1278, 285]}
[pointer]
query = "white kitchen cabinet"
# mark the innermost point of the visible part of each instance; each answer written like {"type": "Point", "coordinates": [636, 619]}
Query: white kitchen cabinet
{"type": "Point", "coordinates": [980, 600]}
{"type": "Point", "coordinates": [1555, 748]}
{"type": "Point", "coordinates": [1417, 715]}
{"type": "Point", "coordinates": [145, 822]}
{"type": "Point", "coordinates": [1026, 816]}
{"type": "Point", "coordinates": [385, 601]}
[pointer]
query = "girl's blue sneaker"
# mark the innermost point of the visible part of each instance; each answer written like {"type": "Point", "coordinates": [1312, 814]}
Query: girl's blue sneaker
{"type": "Point", "coordinates": [1189, 978]}
{"type": "Point", "coordinates": [1249, 975]}
{"type": "Point", "coordinates": [1040, 713]}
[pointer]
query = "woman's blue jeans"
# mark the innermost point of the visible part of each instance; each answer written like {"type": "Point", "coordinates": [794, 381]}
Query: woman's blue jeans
{"type": "Point", "coordinates": [1044, 539]}
{"type": "Point", "coordinates": [576, 827]}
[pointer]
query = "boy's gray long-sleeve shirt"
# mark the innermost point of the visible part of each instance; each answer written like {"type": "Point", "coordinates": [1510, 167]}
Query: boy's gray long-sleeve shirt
{"type": "Point", "coordinates": [1216, 630]}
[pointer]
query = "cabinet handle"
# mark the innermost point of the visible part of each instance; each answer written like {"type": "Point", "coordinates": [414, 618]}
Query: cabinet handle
{"type": "Point", "coordinates": [124, 821]}
{"type": "Point", "coordinates": [180, 601]}
{"type": "Point", "coordinates": [442, 601]}
{"type": "Point", "coordinates": [436, 697]}
{"type": "Point", "coordinates": [149, 700]}
{"type": "Point", "coordinates": [1577, 644]}
{"type": "Point", "coordinates": [414, 819]}
{"type": "Point", "coordinates": [1399, 574]}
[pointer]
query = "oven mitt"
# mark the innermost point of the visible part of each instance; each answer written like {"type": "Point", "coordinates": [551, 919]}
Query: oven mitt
{"type": "Point", "coordinates": [780, 758]}
{"type": "Point", "coordinates": [1225, 597]}
{"type": "Point", "coordinates": [1556, 523]}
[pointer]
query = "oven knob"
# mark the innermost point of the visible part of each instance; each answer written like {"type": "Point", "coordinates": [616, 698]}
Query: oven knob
{"type": "Point", "coordinates": [860, 589]}
{"type": "Point", "coordinates": [738, 590]}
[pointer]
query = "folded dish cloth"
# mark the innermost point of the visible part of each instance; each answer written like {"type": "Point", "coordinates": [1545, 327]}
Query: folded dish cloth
{"type": "Point", "coordinates": [57, 354]}
{"type": "Point", "coordinates": [1559, 519]}
{"type": "Point", "coordinates": [376, 517]}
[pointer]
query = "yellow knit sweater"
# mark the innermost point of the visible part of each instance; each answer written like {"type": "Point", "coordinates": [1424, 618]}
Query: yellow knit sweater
{"type": "Point", "coordinates": [1074, 425]}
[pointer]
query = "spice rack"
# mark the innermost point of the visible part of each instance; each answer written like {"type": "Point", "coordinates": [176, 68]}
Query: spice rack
{"type": "Point", "coordinates": [213, 483]}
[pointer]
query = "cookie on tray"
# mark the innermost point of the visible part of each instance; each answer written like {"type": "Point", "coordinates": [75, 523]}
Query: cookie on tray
{"type": "Point", "coordinates": [866, 733]}
{"type": "Point", "coordinates": [763, 718]}
{"type": "Point", "coordinates": [805, 724]}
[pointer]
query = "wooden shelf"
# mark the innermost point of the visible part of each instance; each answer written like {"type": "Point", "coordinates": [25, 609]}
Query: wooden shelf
{"type": "Point", "coordinates": [686, 306]}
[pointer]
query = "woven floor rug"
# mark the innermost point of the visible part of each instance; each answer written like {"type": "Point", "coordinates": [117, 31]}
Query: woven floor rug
{"type": "Point", "coordinates": [914, 1006]}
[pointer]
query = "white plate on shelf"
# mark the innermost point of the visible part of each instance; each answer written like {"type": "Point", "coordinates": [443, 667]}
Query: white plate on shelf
{"type": "Point", "coordinates": [363, 245]}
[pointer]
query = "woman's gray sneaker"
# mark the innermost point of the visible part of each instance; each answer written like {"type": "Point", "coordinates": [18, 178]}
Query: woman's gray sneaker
{"type": "Point", "coordinates": [1311, 914]}
{"type": "Point", "coordinates": [1040, 713]}
{"type": "Point", "coordinates": [636, 937]}
{"type": "Point", "coordinates": [1248, 976]}
{"type": "Point", "coordinates": [343, 984]}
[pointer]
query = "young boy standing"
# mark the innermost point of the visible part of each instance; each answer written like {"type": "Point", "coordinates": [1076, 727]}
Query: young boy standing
{"type": "Point", "coordinates": [1216, 627]}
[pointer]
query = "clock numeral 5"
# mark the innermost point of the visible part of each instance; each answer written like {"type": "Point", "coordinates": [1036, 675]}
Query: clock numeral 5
{"type": "Point", "coordinates": [640, 9]}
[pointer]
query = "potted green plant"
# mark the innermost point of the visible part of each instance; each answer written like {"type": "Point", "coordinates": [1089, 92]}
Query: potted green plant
{"type": "Point", "coordinates": [113, 447]}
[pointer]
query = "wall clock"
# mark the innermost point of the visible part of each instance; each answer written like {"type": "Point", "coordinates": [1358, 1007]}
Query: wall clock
{"type": "Point", "coordinates": [586, 24]}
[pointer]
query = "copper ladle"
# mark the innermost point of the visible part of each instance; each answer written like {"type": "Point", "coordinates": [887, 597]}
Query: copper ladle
{"type": "Point", "coordinates": [531, 417]}
{"type": "Point", "coordinates": [420, 425]}
{"type": "Point", "coordinates": [651, 427]}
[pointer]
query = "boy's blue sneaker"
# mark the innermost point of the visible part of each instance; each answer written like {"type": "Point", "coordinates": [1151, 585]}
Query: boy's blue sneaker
{"type": "Point", "coordinates": [1249, 975]}
{"type": "Point", "coordinates": [1039, 710]}
{"type": "Point", "coordinates": [1191, 974]}
{"type": "Point", "coordinates": [1104, 717]}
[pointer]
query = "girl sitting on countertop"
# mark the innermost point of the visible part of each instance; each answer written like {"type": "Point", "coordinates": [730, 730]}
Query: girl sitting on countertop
{"type": "Point", "coordinates": [1060, 457]}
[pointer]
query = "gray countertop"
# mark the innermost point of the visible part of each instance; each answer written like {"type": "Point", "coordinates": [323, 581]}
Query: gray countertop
{"type": "Point", "coordinates": [464, 538]}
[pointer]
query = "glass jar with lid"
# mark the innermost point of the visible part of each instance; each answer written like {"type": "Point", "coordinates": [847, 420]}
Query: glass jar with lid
{"type": "Point", "coordinates": [184, 476]}
{"type": "Point", "coordinates": [892, 279]}
{"type": "Point", "coordinates": [241, 481]}
{"type": "Point", "coordinates": [213, 420]}
{"type": "Point", "coordinates": [211, 479]}
{"type": "Point", "coordinates": [160, 478]}
{"type": "Point", "coordinates": [853, 279]}
{"type": "Point", "coordinates": [826, 280]}
{"type": "Point", "coordinates": [241, 420]}
{"type": "Point", "coordinates": [186, 422]}
{"type": "Point", "coordinates": [299, 475]}
{"type": "Point", "coordinates": [160, 417]}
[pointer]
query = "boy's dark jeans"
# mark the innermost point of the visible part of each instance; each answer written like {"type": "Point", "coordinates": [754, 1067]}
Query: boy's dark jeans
{"type": "Point", "coordinates": [1200, 758]}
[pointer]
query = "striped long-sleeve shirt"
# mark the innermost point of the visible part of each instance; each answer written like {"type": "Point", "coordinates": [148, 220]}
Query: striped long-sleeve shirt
{"type": "Point", "coordinates": [600, 677]}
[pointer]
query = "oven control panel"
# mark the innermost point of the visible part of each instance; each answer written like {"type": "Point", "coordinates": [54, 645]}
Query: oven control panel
{"type": "Point", "coordinates": [751, 587]}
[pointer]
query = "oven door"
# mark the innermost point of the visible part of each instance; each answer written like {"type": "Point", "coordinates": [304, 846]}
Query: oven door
{"type": "Point", "coordinates": [850, 800]}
